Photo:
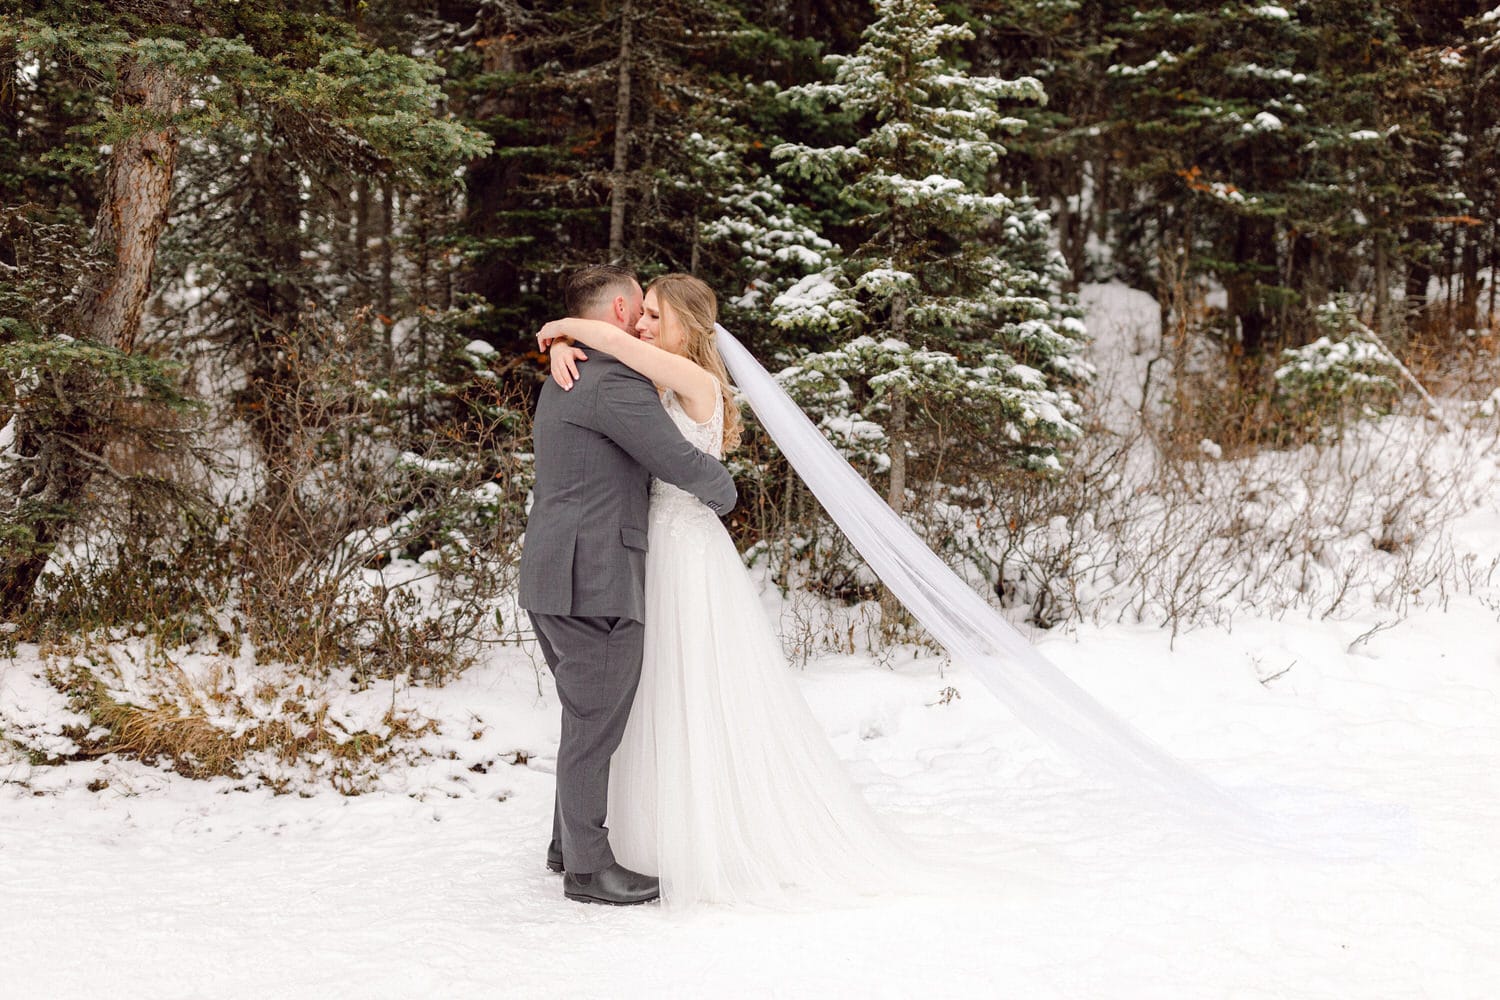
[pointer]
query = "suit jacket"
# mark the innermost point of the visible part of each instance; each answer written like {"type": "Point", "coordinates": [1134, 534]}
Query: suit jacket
{"type": "Point", "coordinates": [597, 447]}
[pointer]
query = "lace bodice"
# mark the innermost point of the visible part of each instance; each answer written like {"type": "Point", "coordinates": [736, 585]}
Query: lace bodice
{"type": "Point", "coordinates": [707, 436]}
{"type": "Point", "coordinates": [669, 504]}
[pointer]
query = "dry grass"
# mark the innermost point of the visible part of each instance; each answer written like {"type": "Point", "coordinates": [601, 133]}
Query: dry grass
{"type": "Point", "coordinates": [1452, 364]}
{"type": "Point", "coordinates": [202, 731]}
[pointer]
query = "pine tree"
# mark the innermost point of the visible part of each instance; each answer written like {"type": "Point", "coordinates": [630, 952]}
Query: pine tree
{"type": "Point", "coordinates": [947, 305]}
{"type": "Point", "coordinates": [1274, 145]}
{"type": "Point", "coordinates": [609, 124]}
{"type": "Point", "coordinates": [1066, 156]}
{"type": "Point", "coordinates": [1472, 74]}
{"type": "Point", "coordinates": [747, 239]}
{"type": "Point", "coordinates": [948, 302]}
{"type": "Point", "coordinates": [282, 84]}
{"type": "Point", "coordinates": [1486, 85]}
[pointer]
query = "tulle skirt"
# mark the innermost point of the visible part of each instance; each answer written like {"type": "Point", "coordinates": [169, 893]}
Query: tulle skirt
{"type": "Point", "coordinates": [724, 783]}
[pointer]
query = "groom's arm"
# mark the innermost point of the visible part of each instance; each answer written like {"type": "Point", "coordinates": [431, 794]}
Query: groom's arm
{"type": "Point", "coordinates": [629, 411]}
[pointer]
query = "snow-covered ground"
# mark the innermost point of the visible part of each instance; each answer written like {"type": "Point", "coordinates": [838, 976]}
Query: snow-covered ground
{"type": "Point", "coordinates": [123, 880]}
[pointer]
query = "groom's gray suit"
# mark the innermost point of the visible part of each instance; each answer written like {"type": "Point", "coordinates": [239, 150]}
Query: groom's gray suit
{"type": "Point", "coordinates": [583, 570]}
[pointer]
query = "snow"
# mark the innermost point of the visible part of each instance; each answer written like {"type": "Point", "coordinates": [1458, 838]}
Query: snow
{"type": "Point", "coordinates": [1228, 192]}
{"type": "Point", "coordinates": [815, 301]}
{"type": "Point", "coordinates": [1270, 73]}
{"type": "Point", "coordinates": [1162, 59]}
{"type": "Point", "coordinates": [126, 880]}
{"type": "Point", "coordinates": [159, 886]}
{"type": "Point", "coordinates": [1264, 122]}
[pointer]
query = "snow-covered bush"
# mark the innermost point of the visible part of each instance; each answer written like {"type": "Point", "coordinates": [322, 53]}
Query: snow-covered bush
{"type": "Point", "coordinates": [1345, 371]}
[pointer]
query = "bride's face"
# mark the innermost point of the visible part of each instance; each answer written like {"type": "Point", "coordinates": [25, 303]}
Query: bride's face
{"type": "Point", "coordinates": [654, 328]}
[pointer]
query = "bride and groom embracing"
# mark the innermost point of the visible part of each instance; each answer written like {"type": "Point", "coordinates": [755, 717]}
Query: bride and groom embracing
{"type": "Point", "coordinates": [689, 766]}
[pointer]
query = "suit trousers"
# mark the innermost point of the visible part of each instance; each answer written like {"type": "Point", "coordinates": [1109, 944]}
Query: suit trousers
{"type": "Point", "coordinates": [596, 665]}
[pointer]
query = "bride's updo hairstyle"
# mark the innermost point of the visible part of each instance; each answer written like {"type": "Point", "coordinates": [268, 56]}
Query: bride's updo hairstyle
{"type": "Point", "coordinates": [692, 305]}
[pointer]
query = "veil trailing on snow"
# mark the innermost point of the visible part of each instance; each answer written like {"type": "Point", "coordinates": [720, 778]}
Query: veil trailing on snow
{"type": "Point", "coordinates": [972, 631]}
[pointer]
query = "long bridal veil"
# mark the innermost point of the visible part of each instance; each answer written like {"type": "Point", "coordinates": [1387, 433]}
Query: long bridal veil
{"type": "Point", "coordinates": [974, 633]}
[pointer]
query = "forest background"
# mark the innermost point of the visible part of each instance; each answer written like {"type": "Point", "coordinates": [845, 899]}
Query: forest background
{"type": "Point", "coordinates": [270, 271]}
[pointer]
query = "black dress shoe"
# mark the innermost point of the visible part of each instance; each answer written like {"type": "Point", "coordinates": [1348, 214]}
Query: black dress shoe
{"type": "Point", "coordinates": [554, 857]}
{"type": "Point", "coordinates": [614, 885]}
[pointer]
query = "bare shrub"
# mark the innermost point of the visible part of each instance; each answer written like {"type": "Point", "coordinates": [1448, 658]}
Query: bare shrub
{"type": "Point", "coordinates": [374, 549]}
{"type": "Point", "coordinates": [387, 518]}
{"type": "Point", "coordinates": [1205, 521]}
{"type": "Point", "coordinates": [1211, 505]}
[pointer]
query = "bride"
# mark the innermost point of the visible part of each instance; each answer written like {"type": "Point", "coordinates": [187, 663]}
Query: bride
{"type": "Point", "coordinates": [724, 783]}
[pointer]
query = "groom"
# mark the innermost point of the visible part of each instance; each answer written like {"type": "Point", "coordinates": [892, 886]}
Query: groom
{"type": "Point", "coordinates": [583, 570]}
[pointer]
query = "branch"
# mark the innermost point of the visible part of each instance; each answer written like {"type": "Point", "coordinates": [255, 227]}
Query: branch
{"type": "Point", "coordinates": [98, 460]}
{"type": "Point", "coordinates": [1431, 403]}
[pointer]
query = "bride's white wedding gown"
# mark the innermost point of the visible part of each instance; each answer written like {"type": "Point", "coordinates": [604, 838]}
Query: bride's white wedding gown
{"type": "Point", "coordinates": [724, 783]}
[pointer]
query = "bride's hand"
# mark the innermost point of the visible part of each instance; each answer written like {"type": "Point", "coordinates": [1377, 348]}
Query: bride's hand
{"type": "Point", "coordinates": [550, 333]}
{"type": "Point", "coordinates": [565, 358]}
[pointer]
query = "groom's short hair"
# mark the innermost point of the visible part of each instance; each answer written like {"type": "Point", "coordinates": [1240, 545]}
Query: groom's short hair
{"type": "Point", "coordinates": [588, 290]}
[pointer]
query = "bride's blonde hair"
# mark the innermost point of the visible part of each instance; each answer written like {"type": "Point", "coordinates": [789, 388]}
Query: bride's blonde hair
{"type": "Point", "coordinates": [689, 302]}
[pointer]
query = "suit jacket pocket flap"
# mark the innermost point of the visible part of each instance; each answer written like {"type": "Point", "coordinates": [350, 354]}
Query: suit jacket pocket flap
{"type": "Point", "coordinates": [633, 538]}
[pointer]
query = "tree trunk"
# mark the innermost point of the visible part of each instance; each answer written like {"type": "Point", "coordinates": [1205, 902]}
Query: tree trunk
{"type": "Point", "coordinates": [890, 607]}
{"type": "Point", "coordinates": [619, 184]}
{"type": "Point", "coordinates": [10, 128]}
{"type": "Point", "coordinates": [1307, 271]}
{"type": "Point", "coordinates": [1254, 251]}
{"type": "Point", "coordinates": [896, 494]}
{"type": "Point", "coordinates": [10, 112]}
{"type": "Point", "coordinates": [1418, 272]}
{"type": "Point", "coordinates": [43, 486]}
{"type": "Point", "coordinates": [1072, 226]}
{"type": "Point", "coordinates": [272, 298]}
{"type": "Point", "coordinates": [1494, 250]}
{"type": "Point", "coordinates": [387, 249]}
{"type": "Point", "coordinates": [1382, 289]}
{"type": "Point", "coordinates": [138, 191]}
{"type": "Point", "coordinates": [696, 256]}
{"type": "Point", "coordinates": [362, 236]}
{"type": "Point", "coordinates": [1469, 286]}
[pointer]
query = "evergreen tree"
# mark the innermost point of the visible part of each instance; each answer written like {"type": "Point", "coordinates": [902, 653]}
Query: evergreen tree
{"type": "Point", "coordinates": [950, 321]}
{"type": "Point", "coordinates": [1471, 73]}
{"type": "Point", "coordinates": [1274, 146]}
{"type": "Point", "coordinates": [748, 240]}
{"type": "Point", "coordinates": [611, 127]}
{"type": "Point", "coordinates": [1486, 88]}
{"type": "Point", "coordinates": [265, 81]}
{"type": "Point", "coordinates": [1068, 157]}
{"type": "Point", "coordinates": [948, 306]}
